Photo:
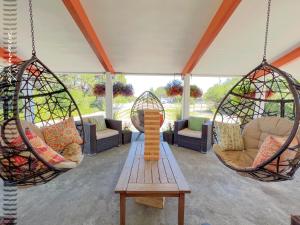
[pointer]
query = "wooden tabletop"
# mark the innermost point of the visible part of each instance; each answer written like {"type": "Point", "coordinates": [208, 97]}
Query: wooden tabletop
{"type": "Point", "coordinates": [162, 176]}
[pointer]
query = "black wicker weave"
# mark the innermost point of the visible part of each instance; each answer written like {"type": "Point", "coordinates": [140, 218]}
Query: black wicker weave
{"type": "Point", "coordinates": [146, 100]}
{"type": "Point", "coordinates": [265, 91]}
{"type": "Point", "coordinates": [31, 92]}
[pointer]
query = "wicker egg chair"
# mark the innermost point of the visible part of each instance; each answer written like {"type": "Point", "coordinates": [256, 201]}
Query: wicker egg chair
{"type": "Point", "coordinates": [146, 100]}
{"type": "Point", "coordinates": [264, 102]}
{"type": "Point", "coordinates": [32, 98]}
{"type": "Point", "coordinates": [30, 94]}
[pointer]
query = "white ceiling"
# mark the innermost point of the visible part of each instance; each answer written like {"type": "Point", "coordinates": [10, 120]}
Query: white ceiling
{"type": "Point", "coordinates": [150, 35]}
{"type": "Point", "coordinates": [158, 36]}
{"type": "Point", "coordinates": [59, 42]}
{"type": "Point", "coordinates": [239, 46]}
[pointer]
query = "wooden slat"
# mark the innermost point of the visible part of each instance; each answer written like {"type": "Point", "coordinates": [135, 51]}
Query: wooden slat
{"type": "Point", "coordinates": [180, 180]}
{"type": "Point", "coordinates": [148, 173]}
{"type": "Point", "coordinates": [124, 177]}
{"type": "Point", "coordinates": [162, 173]}
{"type": "Point", "coordinates": [168, 170]}
{"type": "Point", "coordinates": [141, 172]}
{"type": "Point", "coordinates": [134, 171]}
{"type": "Point", "coordinates": [152, 188]}
{"type": "Point", "coordinates": [155, 173]}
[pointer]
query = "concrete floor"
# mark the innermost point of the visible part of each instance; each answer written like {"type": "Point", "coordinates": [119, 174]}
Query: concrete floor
{"type": "Point", "coordinates": [84, 196]}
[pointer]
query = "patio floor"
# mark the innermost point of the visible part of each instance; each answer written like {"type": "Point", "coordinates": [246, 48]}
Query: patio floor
{"type": "Point", "coordinates": [84, 196]}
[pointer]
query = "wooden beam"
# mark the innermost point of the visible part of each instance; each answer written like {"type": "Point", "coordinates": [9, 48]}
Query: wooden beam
{"type": "Point", "coordinates": [217, 23]}
{"type": "Point", "coordinates": [283, 60]}
{"type": "Point", "coordinates": [80, 17]}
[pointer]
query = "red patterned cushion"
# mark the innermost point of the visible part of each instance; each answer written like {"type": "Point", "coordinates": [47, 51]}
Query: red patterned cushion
{"type": "Point", "coordinates": [44, 151]}
{"type": "Point", "coordinates": [269, 147]}
{"type": "Point", "coordinates": [59, 135]}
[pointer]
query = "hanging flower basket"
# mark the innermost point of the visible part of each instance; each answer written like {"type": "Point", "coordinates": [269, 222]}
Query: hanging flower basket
{"type": "Point", "coordinates": [195, 92]}
{"type": "Point", "coordinates": [174, 88]}
{"type": "Point", "coordinates": [99, 90]}
{"type": "Point", "coordinates": [127, 90]}
{"type": "Point", "coordinates": [119, 89]}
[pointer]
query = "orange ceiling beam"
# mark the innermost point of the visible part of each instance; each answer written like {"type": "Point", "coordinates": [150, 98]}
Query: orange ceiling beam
{"type": "Point", "coordinates": [285, 59]}
{"type": "Point", "coordinates": [217, 23]}
{"type": "Point", "coordinates": [80, 17]}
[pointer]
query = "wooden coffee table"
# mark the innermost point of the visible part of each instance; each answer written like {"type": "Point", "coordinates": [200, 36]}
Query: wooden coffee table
{"type": "Point", "coordinates": [162, 178]}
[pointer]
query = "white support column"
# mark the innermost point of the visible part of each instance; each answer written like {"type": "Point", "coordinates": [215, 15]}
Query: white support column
{"type": "Point", "coordinates": [186, 96]}
{"type": "Point", "coordinates": [109, 96]}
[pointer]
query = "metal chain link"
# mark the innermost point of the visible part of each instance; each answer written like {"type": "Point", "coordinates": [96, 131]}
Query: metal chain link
{"type": "Point", "coordinates": [267, 30]}
{"type": "Point", "coordinates": [32, 27]}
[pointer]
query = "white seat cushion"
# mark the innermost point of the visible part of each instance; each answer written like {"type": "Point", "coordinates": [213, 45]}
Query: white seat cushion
{"type": "Point", "coordinates": [106, 133]}
{"type": "Point", "coordinates": [190, 133]}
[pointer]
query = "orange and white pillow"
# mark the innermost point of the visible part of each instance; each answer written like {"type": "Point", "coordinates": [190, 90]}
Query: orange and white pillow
{"type": "Point", "coordinates": [269, 148]}
{"type": "Point", "coordinates": [41, 148]}
{"type": "Point", "coordinates": [60, 135]}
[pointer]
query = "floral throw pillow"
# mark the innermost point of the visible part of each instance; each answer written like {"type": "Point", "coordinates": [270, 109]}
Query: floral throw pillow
{"type": "Point", "coordinates": [59, 135]}
{"type": "Point", "coordinates": [229, 136]}
{"type": "Point", "coordinates": [269, 147]}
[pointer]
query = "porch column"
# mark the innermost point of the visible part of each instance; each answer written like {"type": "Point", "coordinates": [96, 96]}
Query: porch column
{"type": "Point", "coordinates": [109, 96]}
{"type": "Point", "coordinates": [186, 96]}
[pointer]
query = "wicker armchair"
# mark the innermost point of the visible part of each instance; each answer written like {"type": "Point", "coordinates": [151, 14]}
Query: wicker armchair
{"type": "Point", "coordinates": [96, 142]}
{"type": "Point", "coordinates": [197, 140]}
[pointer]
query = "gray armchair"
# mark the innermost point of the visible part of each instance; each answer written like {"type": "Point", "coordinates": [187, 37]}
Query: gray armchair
{"type": "Point", "coordinates": [96, 142]}
{"type": "Point", "coordinates": [197, 140]}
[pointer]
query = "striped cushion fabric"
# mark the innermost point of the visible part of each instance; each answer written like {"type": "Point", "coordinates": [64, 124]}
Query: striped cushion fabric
{"type": "Point", "coordinates": [229, 136]}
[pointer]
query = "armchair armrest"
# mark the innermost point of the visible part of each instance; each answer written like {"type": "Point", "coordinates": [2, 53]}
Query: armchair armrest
{"type": "Point", "coordinates": [179, 125]}
{"type": "Point", "coordinates": [207, 135]}
{"type": "Point", "coordinates": [90, 140]}
{"type": "Point", "coordinates": [115, 125]}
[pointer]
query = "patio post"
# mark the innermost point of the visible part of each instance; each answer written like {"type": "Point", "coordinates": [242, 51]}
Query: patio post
{"type": "Point", "coordinates": [109, 96]}
{"type": "Point", "coordinates": [186, 96]}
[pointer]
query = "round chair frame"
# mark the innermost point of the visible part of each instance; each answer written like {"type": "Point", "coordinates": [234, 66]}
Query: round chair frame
{"type": "Point", "coordinates": [243, 104]}
{"type": "Point", "coordinates": [148, 101]}
{"type": "Point", "coordinates": [31, 91]}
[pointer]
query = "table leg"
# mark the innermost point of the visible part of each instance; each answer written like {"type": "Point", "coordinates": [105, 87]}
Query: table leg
{"type": "Point", "coordinates": [181, 199]}
{"type": "Point", "coordinates": [122, 209]}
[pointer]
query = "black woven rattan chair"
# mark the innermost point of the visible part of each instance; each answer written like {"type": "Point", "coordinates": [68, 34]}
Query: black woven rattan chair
{"type": "Point", "coordinates": [30, 92]}
{"type": "Point", "coordinates": [265, 92]}
{"type": "Point", "coordinates": [262, 102]}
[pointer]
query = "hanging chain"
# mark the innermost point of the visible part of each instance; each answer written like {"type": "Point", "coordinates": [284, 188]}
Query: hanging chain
{"type": "Point", "coordinates": [267, 31]}
{"type": "Point", "coordinates": [32, 27]}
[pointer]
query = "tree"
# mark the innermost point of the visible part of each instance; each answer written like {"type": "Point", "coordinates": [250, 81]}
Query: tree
{"type": "Point", "coordinates": [160, 92]}
{"type": "Point", "coordinates": [216, 93]}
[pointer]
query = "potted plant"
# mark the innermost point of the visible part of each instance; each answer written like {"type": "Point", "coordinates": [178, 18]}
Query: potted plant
{"type": "Point", "coordinates": [126, 133]}
{"type": "Point", "coordinates": [168, 135]}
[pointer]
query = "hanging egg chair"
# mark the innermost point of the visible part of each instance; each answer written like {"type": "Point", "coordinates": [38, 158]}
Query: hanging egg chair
{"type": "Point", "coordinates": [36, 110]}
{"type": "Point", "coordinates": [265, 106]}
{"type": "Point", "coordinates": [146, 100]}
{"type": "Point", "coordinates": [32, 98]}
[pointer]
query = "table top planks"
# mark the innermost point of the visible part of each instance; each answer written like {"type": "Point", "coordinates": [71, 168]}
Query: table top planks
{"type": "Point", "coordinates": [141, 176]}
